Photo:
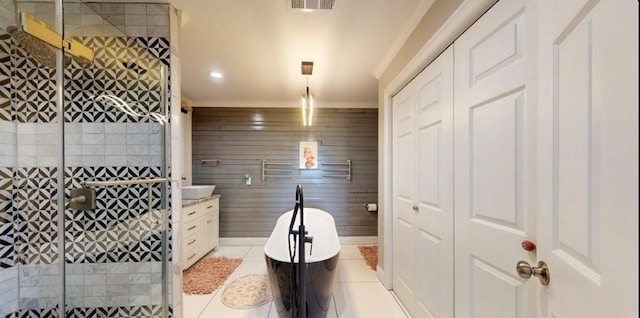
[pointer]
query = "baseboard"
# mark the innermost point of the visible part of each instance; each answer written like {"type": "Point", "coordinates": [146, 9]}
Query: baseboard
{"type": "Point", "coordinates": [359, 240]}
{"type": "Point", "coordinates": [253, 241]}
{"type": "Point", "coordinates": [404, 309]}
{"type": "Point", "coordinates": [380, 274]}
{"type": "Point", "coordinates": [243, 241]}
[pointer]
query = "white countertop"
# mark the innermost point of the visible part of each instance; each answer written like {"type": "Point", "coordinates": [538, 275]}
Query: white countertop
{"type": "Point", "coordinates": [192, 202]}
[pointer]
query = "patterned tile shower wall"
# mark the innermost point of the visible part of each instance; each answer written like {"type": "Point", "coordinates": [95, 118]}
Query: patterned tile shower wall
{"type": "Point", "coordinates": [113, 253]}
{"type": "Point", "coordinates": [122, 67]}
{"type": "Point", "coordinates": [8, 255]}
{"type": "Point", "coordinates": [103, 143]}
{"type": "Point", "coordinates": [120, 228]}
{"type": "Point", "coordinates": [5, 89]}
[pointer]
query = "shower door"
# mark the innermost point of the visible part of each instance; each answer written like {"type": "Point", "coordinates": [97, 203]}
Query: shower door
{"type": "Point", "coordinates": [93, 116]}
{"type": "Point", "coordinates": [115, 132]}
{"type": "Point", "coordinates": [30, 259]}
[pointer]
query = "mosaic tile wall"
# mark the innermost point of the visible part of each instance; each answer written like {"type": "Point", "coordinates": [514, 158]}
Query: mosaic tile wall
{"type": "Point", "coordinates": [120, 228]}
{"type": "Point", "coordinates": [111, 312]}
{"type": "Point", "coordinates": [102, 143]}
{"type": "Point", "coordinates": [113, 253]}
{"type": "Point", "coordinates": [9, 291]}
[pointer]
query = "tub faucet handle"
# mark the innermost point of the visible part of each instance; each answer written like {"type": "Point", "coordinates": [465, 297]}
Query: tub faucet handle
{"type": "Point", "coordinates": [309, 239]}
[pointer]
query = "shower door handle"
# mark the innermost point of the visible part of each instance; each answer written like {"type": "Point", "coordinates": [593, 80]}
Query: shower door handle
{"type": "Point", "coordinates": [78, 199]}
{"type": "Point", "coordinates": [83, 199]}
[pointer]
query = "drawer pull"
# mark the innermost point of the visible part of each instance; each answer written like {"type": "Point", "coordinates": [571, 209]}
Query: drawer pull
{"type": "Point", "coordinates": [192, 213]}
{"type": "Point", "coordinates": [192, 256]}
{"type": "Point", "coordinates": [209, 207]}
{"type": "Point", "coordinates": [192, 242]}
{"type": "Point", "coordinates": [192, 227]}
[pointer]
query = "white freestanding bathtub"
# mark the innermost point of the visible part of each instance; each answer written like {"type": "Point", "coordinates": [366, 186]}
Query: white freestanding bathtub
{"type": "Point", "coordinates": [321, 258]}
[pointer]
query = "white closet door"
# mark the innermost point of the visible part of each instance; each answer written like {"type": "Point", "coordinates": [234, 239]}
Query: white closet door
{"type": "Point", "coordinates": [423, 191]}
{"type": "Point", "coordinates": [404, 163]}
{"type": "Point", "coordinates": [434, 189]}
{"type": "Point", "coordinates": [588, 162]}
{"type": "Point", "coordinates": [495, 111]}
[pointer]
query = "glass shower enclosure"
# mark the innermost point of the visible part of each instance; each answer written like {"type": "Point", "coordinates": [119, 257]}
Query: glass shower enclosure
{"type": "Point", "coordinates": [84, 213]}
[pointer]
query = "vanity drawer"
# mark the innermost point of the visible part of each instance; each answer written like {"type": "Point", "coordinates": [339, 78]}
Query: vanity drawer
{"type": "Point", "coordinates": [210, 206]}
{"type": "Point", "coordinates": [191, 213]}
{"type": "Point", "coordinates": [193, 242]}
{"type": "Point", "coordinates": [193, 227]}
{"type": "Point", "coordinates": [190, 255]}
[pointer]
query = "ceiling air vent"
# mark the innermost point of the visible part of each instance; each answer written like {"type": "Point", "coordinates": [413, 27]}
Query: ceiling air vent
{"type": "Point", "coordinates": [312, 4]}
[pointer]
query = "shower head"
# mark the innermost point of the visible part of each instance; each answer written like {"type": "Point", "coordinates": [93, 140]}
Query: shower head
{"type": "Point", "coordinates": [40, 41]}
{"type": "Point", "coordinates": [42, 52]}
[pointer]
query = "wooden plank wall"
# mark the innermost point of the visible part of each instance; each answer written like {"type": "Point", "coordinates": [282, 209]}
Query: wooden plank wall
{"type": "Point", "coordinates": [241, 138]}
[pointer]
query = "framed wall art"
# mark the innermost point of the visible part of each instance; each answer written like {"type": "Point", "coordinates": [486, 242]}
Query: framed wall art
{"type": "Point", "coordinates": [308, 155]}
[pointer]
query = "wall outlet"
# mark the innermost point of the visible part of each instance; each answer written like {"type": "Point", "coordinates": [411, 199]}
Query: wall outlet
{"type": "Point", "coordinates": [247, 179]}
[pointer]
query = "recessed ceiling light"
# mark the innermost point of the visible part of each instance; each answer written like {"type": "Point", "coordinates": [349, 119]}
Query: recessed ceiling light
{"type": "Point", "coordinates": [215, 75]}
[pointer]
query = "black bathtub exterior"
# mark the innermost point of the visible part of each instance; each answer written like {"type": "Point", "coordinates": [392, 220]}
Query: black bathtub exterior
{"type": "Point", "coordinates": [319, 278]}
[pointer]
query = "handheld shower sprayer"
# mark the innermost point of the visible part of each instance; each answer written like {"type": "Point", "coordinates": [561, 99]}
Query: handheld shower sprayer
{"type": "Point", "coordinates": [299, 293]}
{"type": "Point", "coordinates": [299, 206]}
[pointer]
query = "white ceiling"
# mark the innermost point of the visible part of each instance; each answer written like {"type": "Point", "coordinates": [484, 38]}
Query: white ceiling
{"type": "Point", "coordinates": [259, 45]}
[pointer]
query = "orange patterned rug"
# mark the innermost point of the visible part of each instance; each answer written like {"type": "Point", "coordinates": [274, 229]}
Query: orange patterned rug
{"type": "Point", "coordinates": [208, 274]}
{"type": "Point", "coordinates": [248, 291]}
{"type": "Point", "coordinates": [370, 254]}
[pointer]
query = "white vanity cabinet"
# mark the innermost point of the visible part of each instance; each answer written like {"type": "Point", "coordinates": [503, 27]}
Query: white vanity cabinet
{"type": "Point", "coordinates": [200, 230]}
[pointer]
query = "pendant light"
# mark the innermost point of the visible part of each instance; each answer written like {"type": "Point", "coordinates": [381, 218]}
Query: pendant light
{"type": "Point", "coordinates": [307, 98]}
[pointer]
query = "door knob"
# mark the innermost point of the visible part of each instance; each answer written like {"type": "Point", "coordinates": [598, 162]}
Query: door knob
{"type": "Point", "coordinates": [526, 271]}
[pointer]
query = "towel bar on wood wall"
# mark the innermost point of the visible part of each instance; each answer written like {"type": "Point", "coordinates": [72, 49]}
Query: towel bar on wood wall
{"type": "Point", "coordinates": [280, 170]}
{"type": "Point", "coordinates": [346, 171]}
{"type": "Point", "coordinates": [211, 162]}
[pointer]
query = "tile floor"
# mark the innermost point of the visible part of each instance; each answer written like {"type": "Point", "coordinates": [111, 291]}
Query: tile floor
{"type": "Point", "coordinates": [357, 292]}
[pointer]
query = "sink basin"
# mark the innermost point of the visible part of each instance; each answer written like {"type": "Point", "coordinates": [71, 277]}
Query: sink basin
{"type": "Point", "coordinates": [196, 192]}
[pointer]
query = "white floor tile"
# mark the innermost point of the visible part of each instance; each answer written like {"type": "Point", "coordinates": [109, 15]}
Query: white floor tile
{"type": "Point", "coordinates": [355, 271]}
{"type": "Point", "coordinates": [350, 252]}
{"type": "Point", "coordinates": [333, 313]}
{"type": "Point", "coordinates": [246, 268]}
{"type": "Point", "coordinates": [230, 251]}
{"type": "Point", "coordinates": [256, 253]}
{"type": "Point", "coordinates": [273, 312]}
{"type": "Point", "coordinates": [217, 309]}
{"type": "Point", "coordinates": [194, 304]}
{"type": "Point", "coordinates": [369, 299]}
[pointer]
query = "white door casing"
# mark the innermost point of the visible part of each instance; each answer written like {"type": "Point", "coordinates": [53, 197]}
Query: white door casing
{"type": "Point", "coordinates": [423, 194]}
{"type": "Point", "coordinates": [494, 164]}
{"type": "Point", "coordinates": [588, 158]}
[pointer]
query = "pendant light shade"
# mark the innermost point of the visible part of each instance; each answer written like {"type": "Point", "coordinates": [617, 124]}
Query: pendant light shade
{"type": "Point", "coordinates": [307, 108]}
{"type": "Point", "coordinates": [307, 99]}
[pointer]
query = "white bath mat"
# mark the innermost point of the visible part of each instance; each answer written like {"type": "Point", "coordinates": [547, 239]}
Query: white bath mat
{"type": "Point", "coordinates": [248, 291]}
